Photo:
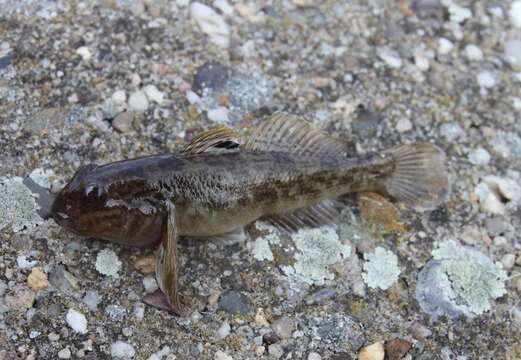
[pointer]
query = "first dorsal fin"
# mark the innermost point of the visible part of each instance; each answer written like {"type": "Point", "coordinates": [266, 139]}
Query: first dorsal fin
{"type": "Point", "coordinates": [288, 133]}
{"type": "Point", "coordinates": [214, 140]}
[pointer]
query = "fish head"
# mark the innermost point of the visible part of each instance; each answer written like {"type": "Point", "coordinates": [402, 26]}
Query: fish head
{"type": "Point", "coordinates": [81, 203]}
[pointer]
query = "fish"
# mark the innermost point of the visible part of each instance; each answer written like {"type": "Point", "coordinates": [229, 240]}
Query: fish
{"type": "Point", "coordinates": [284, 171]}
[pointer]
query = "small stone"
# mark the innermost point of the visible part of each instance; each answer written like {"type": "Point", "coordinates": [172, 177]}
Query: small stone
{"type": "Point", "coordinates": [396, 349]}
{"type": "Point", "coordinates": [91, 299]}
{"type": "Point", "coordinates": [390, 57]}
{"type": "Point", "coordinates": [372, 352]}
{"type": "Point", "coordinates": [150, 284]}
{"type": "Point", "coordinates": [486, 79]}
{"type": "Point", "coordinates": [479, 156]}
{"type": "Point", "coordinates": [138, 101]}
{"type": "Point", "coordinates": [192, 98]}
{"type": "Point", "coordinates": [64, 353]}
{"type": "Point", "coordinates": [506, 187]}
{"type": "Point", "coordinates": [496, 226]}
{"type": "Point", "coordinates": [146, 264]}
{"type": "Point", "coordinates": [458, 14]}
{"type": "Point", "coordinates": [283, 327]}
{"type": "Point", "coordinates": [489, 200]}
{"type": "Point", "coordinates": [276, 351]}
{"type": "Point", "coordinates": [77, 321]}
{"type": "Point", "coordinates": [260, 318]}
{"type": "Point", "coordinates": [420, 332]}
{"type": "Point", "coordinates": [445, 46]}
{"type": "Point", "coordinates": [219, 355]}
{"type": "Point", "coordinates": [224, 330]}
{"type": "Point", "coordinates": [37, 279]}
{"type": "Point", "coordinates": [212, 76]}
{"type": "Point", "coordinates": [473, 53]}
{"type": "Point", "coordinates": [403, 125]}
{"type": "Point", "coordinates": [121, 349]}
{"type": "Point", "coordinates": [119, 98]}
{"type": "Point", "coordinates": [224, 6]}
{"type": "Point", "coordinates": [53, 337]}
{"type": "Point", "coordinates": [513, 52]}
{"type": "Point", "coordinates": [107, 263]}
{"type": "Point", "coordinates": [127, 331]}
{"type": "Point", "coordinates": [314, 356]}
{"type": "Point", "coordinates": [23, 263]}
{"type": "Point", "coordinates": [153, 94]}
{"type": "Point", "coordinates": [421, 62]}
{"type": "Point", "coordinates": [219, 115]}
{"type": "Point", "coordinates": [452, 131]}
{"type": "Point", "coordinates": [84, 52]}
{"type": "Point", "coordinates": [508, 261]}
{"type": "Point", "coordinates": [139, 311]}
{"type": "Point", "coordinates": [211, 23]}
{"type": "Point", "coordinates": [515, 13]}
{"type": "Point", "coordinates": [123, 121]}
{"type": "Point", "coordinates": [234, 302]}
{"type": "Point", "coordinates": [20, 300]}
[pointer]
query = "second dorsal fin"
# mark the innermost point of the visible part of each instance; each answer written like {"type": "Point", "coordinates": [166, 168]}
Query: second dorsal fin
{"type": "Point", "coordinates": [213, 140]}
{"type": "Point", "coordinates": [288, 133]}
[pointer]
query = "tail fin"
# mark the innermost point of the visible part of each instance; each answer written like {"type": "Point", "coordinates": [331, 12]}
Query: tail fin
{"type": "Point", "coordinates": [420, 178]}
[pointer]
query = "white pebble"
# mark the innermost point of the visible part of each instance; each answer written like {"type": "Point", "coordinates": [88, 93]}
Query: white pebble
{"type": "Point", "coordinates": [219, 115]}
{"type": "Point", "coordinates": [138, 101]}
{"type": "Point", "coordinates": [486, 79]}
{"type": "Point", "coordinates": [421, 62]}
{"type": "Point", "coordinates": [76, 321]}
{"type": "Point", "coordinates": [150, 284]}
{"type": "Point", "coordinates": [139, 311]}
{"type": "Point", "coordinates": [107, 263]}
{"type": "Point", "coordinates": [165, 351]}
{"type": "Point", "coordinates": [182, 3]}
{"type": "Point", "coordinates": [119, 97]}
{"type": "Point", "coordinates": [516, 103]}
{"type": "Point", "coordinates": [211, 23]}
{"type": "Point", "coordinates": [473, 53]}
{"type": "Point", "coordinates": [488, 200]}
{"type": "Point", "coordinates": [403, 125]}
{"type": "Point", "coordinates": [84, 52]}
{"type": "Point", "coordinates": [445, 46]}
{"type": "Point", "coordinates": [515, 13]}
{"type": "Point", "coordinates": [508, 261]}
{"type": "Point", "coordinates": [390, 57]}
{"type": "Point", "coordinates": [192, 98]}
{"type": "Point", "coordinates": [458, 14]}
{"type": "Point", "coordinates": [23, 263]}
{"type": "Point", "coordinates": [219, 355]}
{"type": "Point", "coordinates": [64, 353]}
{"type": "Point", "coordinates": [513, 52]}
{"type": "Point", "coordinates": [314, 356]}
{"type": "Point", "coordinates": [121, 349]}
{"type": "Point", "coordinates": [224, 330]}
{"type": "Point", "coordinates": [479, 156]}
{"type": "Point", "coordinates": [153, 94]}
{"type": "Point", "coordinates": [508, 188]}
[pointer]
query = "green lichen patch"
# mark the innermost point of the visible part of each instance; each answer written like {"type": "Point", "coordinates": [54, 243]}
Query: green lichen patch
{"type": "Point", "coordinates": [18, 207]}
{"type": "Point", "coordinates": [381, 269]}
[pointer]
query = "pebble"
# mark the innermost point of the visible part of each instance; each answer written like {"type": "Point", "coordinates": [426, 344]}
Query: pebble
{"type": "Point", "coordinates": [64, 353]}
{"type": "Point", "coordinates": [403, 125]}
{"type": "Point", "coordinates": [508, 261]}
{"type": "Point", "coordinates": [284, 327]}
{"type": "Point", "coordinates": [37, 279]}
{"type": "Point", "coordinates": [146, 264]}
{"type": "Point", "coordinates": [276, 351]}
{"type": "Point", "coordinates": [496, 226]}
{"type": "Point", "coordinates": [372, 352]}
{"type": "Point", "coordinates": [219, 115]}
{"type": "Point", "coordinates": [445, 46]}
{"type": "Point", "coordinates": [488, 200]}
{"type": "Point", "coordinates": [420, 332]}
{"type": "Point", "coordinates": [91, 299]}
{"type": "Point", "coordinates": [211, 75]}
{"type": "Point", "coordinates": [20, 300]}
{"type": "Point", "coordinates": [513, 52]}
{"type": "Point", "coordinates": [138, 101]}
{"type": "Point", "coordinates": [123, 121]}
{"type": "Point", "coordinates": [458, 14]}
{"type": "Point", "coordinates": [514, 13]}
{"type": "Point", "coordinates": [121, 349]}
{"type": "Point", "coordinates": [506, 187]}
{"type": "Point", "coordinates": [452, 131]}
{"type": "Point", "coordinates": [390, 57]}
{"type": "Point", "coordinates": [224, 6]}
{"type": "Point", "coordinates": [314, 356]}
{"type": "Point", "coordinates": [84, 52]}
{"type": "Point", "coordinates": [234, 302]}
{"type": "Point", "coordinates": [421, 62]}
{"type": "Point", "coordinates": [479, 156]}
{"type": "Point", "coordinates": [219, 355]}
{"type": "Point", "coordinates": [224, 330]}
{"type": "Point", "coordinates": [139, 311]}
{"type": "Point", "coordinates": [77, 321]}
{"type": "Point", "coordinates": [119, 98]}
{"type": "Point", "coordinates": [193, 98]}
{"type": "Point", "coordinates": [154, 95]}
{"type": "Point", "coordinates": [260, 318]}
{"type": "Point", "coordinates": [211, 23]}
{"type": "Point", "coordinates": [473, 53]}
{"type": "Point", "coordinates": [486, 79]}
{"type": "Point", "coordinates": [396, 349]}
{"type": "Point", "coordinates": [23, 263]}
{"type": "Point", "coordinates": [150, 284]}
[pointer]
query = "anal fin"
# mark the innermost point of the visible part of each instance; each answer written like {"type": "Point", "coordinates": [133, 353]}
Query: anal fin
{"type": "Point", "coordinates": [323, 213]}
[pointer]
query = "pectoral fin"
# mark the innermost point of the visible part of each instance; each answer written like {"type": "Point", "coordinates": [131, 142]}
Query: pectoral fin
{"type": "Point", "coordinates": [167, 269]}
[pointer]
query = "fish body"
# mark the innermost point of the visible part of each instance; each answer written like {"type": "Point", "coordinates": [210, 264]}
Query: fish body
{"type": "Point", "coordinates": [286, 171]}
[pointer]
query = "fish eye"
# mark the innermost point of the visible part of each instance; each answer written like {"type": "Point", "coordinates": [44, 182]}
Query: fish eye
{"type": "Point", "coordinates": [89, 189]}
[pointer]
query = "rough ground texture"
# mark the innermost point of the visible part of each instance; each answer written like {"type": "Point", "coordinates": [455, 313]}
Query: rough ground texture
{"type": "Point", "coordinates": [84, 82]}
